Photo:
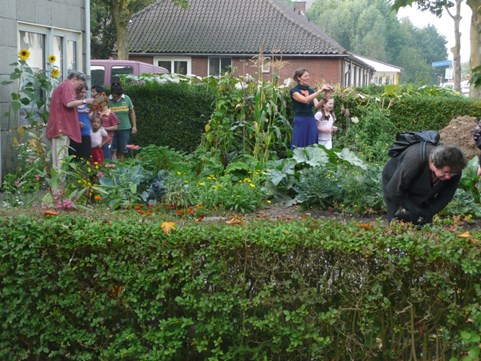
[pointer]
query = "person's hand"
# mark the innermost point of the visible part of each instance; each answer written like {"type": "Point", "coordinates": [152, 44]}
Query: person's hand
{"type": "Point", "coordinates": [479, 171]}
{"type": "Point", "coordinates": [334, 128]}
{"type": "Point", "coordinates": [82, 125]}
{"type": "Point", "coordinates": [134, 130]}
{"type": "Point", "coordinates": [89, 100]}
{"type": "Point", "coordinates": [327, 88]}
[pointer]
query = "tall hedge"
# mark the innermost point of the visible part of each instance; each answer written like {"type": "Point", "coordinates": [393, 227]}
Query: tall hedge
{"type": "Point", "coordinates": [431, 112]}
{"type": "Point", "coordinates": [171, 114]}
{"type": "Point", "coordinates": [95, 288]}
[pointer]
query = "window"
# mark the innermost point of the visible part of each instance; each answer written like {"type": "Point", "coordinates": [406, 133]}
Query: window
{"type": "Point", "coordinates": [35, 43]}
{"type": "Point", "coordinates": [117, 71]}
{"type": "Point", "coordinates": [266, 65]}
{"type": "Point", "coordinates": [72, 56]}
{"type": "Point", "coordinates": [218, 66]}
{"type": "Point", "coordinates": [97, 73]}
{"type": "Point", "coordinates": [42, 42]}
{"type": "Point", "coordinates": [175, 65]}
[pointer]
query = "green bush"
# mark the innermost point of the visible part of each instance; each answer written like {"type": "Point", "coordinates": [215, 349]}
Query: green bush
{"type": "Point", "coordinates": [171, 114]}
{"type": "Point", "coordinates": [427, 112]}
{"type": "Point", "coordinates": [104, 288]}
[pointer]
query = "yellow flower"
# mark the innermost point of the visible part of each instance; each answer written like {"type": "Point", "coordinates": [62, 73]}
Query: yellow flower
{"type": "Point", "coordinates": [52, 59]}
{"type": "Point", "coordinates": [252, 185]}
{"type": "Point", "coordinates": [55, 73]}
{"type": "Point", "coordinates": [201, 184]}
{"type": "Point", "coordinates": [24, 54]}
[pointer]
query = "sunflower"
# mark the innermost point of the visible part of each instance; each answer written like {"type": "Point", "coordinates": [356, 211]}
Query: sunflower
{"type": "Point", "coordinates": [24, 54]}
{"type": "Point", "coordinates": [55, 73]}
{"type": "Point", "coordinates": [52, 59]}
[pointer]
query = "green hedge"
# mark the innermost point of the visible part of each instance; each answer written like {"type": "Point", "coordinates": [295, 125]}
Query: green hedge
{"type": "Point", "coordinates": [171, 114]}
{"type": "Point", "coordinates": [431, 112]}
{"type": "Point", "coordinates": [86, 288]}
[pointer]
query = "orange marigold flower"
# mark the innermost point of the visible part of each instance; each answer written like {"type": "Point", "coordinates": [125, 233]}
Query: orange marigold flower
{"type": "Point", "coordinates": [97, 197]}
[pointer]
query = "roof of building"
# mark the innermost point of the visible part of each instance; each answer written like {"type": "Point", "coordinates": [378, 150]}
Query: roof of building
{"type": "Point", "coordinates": [379, 66]}
{"type": "Point", "coordinates": [231, 27]}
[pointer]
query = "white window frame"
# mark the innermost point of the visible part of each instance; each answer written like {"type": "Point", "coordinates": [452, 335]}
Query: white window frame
{"type": "Point", "coordinates": [173, 59]}
{"type": "Point", "coordinates": [220, 60]}
{"type": "Point", "coordinates": [49, 33]}
{"type": "Point", "coordinates": [266, 65]}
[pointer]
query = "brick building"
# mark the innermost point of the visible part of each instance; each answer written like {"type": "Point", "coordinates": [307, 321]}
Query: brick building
{"type": "Point", "coordinates": [248, 36]}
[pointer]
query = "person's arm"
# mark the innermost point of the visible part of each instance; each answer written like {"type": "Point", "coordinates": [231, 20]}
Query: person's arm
{"type": "Point", "coordinates": [444, 196]}
{"type": "Point", "coordinates": [133, 119]}
{"type": "Point", "coordinates": [76, 103]}
{"type": "Point", "coordinates": [298, 97]}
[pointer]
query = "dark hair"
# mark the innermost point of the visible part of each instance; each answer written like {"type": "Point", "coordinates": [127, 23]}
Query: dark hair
{"type": "Point", "coordinates": [298, 73]}
{"type": "Point", "coordinates": [448, 156]}
{"type": "Point", "coordinates": [116, 89]}
{"type": "Point", "coordinates": [99, 89]}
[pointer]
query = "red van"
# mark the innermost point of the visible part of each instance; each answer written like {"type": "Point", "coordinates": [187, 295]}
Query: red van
{"type": "Point", "coordinates": [105, 72]}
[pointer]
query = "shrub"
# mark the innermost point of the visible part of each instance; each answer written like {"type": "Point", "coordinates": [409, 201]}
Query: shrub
{"type": "Point", "coordinates": [99, 287]}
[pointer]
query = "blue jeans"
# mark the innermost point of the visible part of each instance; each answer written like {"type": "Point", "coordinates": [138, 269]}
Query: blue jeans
{"type": "Point", "coordinates": [120, 141]}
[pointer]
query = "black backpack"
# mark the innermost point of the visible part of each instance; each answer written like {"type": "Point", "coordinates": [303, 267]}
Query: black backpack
{"type": "Point", "coordinates": [406, 139]}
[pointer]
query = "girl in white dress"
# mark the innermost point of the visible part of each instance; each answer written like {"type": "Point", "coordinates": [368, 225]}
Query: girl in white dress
{"type": "Point", "coordinates": [325, 122]}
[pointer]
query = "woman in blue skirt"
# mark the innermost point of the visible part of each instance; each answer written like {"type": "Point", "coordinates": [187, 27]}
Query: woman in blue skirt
{"type": "Point", "coordinates": [304, 99]}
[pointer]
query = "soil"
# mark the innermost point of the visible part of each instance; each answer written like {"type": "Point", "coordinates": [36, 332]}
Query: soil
{"type": "Point", "coordinates": [459, 132]}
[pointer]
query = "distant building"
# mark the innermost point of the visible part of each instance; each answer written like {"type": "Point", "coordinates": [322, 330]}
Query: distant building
{"type": "Point", "coordinates": [384, 73]}
{"type": "Point", "coordinates": [249, 36]}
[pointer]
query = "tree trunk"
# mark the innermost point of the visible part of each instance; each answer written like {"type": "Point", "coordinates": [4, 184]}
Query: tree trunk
{"type": "Point", "coordinates": [118, 8]}
{"type": "Point", "coordinates": [475, 37]}
{"type": "Point", "coordinates": [456, 49]}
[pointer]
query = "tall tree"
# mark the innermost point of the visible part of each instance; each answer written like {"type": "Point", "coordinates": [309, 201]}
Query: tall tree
{"type": "Point", "coordinates": [436, 7]}
{"type": "Point", "coordinates": [370, 28]}
{"type": "Point", "coordinates": [102, 29]}
{"type": "Point", "coordinates": [122, 11]}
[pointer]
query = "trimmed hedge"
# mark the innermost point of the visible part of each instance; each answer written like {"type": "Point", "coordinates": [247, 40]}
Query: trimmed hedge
{"type": "Point", "coordinates": [84, 288]}
{"type": "Point", "coordinates": [431, 112]}
{"type": "Point", "coordinates": [171, 114]}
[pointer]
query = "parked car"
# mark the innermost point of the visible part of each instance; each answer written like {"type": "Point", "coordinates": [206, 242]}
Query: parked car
{"type": "Point", "coordinates": [106, 71]}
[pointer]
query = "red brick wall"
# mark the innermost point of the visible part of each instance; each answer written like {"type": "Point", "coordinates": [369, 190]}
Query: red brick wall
{"type": "Point", "coordinates": [200, 66]}
{"type": "Point", "coordinates": [145, 59]}
{"type": "Point", "coordinates": [320, 69]}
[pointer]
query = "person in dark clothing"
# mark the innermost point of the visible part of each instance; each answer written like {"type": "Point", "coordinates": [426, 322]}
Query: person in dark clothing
{"type": "Point", "coordinates": [416, 189]}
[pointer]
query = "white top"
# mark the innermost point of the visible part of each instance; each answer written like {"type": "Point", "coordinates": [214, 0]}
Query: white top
{"type": "Point", "coordinates": [324, 127]}
{"type": "Point", "coordinates": [97, 137]}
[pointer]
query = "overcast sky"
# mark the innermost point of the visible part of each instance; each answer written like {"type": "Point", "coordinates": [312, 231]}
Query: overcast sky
{"type": "Point", "coordinates": [444, 25]}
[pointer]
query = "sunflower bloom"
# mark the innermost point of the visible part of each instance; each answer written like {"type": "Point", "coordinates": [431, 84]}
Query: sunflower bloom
{"type": "Point", "coordinates": [55, 73]}
{"type": "Point", "coordinates": [52, 59]}
{"type": "Point", "coordinates": [24, 54]}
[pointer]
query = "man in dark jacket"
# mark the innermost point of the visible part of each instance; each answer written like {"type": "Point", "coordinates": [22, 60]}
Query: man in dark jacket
{"type": "Point", "coordinates": [415, 187]}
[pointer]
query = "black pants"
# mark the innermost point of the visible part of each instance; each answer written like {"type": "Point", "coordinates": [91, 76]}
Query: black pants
{"type": "Point", "coordinates": [81, 150]}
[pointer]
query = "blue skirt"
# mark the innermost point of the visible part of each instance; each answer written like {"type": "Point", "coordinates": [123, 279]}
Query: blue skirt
{"type": "Point", "coordinates": [304, 131]}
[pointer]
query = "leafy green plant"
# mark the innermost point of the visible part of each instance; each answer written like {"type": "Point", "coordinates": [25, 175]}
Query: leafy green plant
{"type": "Point", "coordinates": [284, 176]}
{"type": "Point", "coordinates": [123, 183]}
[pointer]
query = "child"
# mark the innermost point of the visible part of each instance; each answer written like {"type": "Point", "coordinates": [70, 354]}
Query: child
{"type": "Point", "coordinates": [99, 137]}
{"type": "Point", "coordinates": [325, 122]}
{"type": "Point", "coordinates": [82, 150]}
{"type": "Point", "coordinates": [109, 121]}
